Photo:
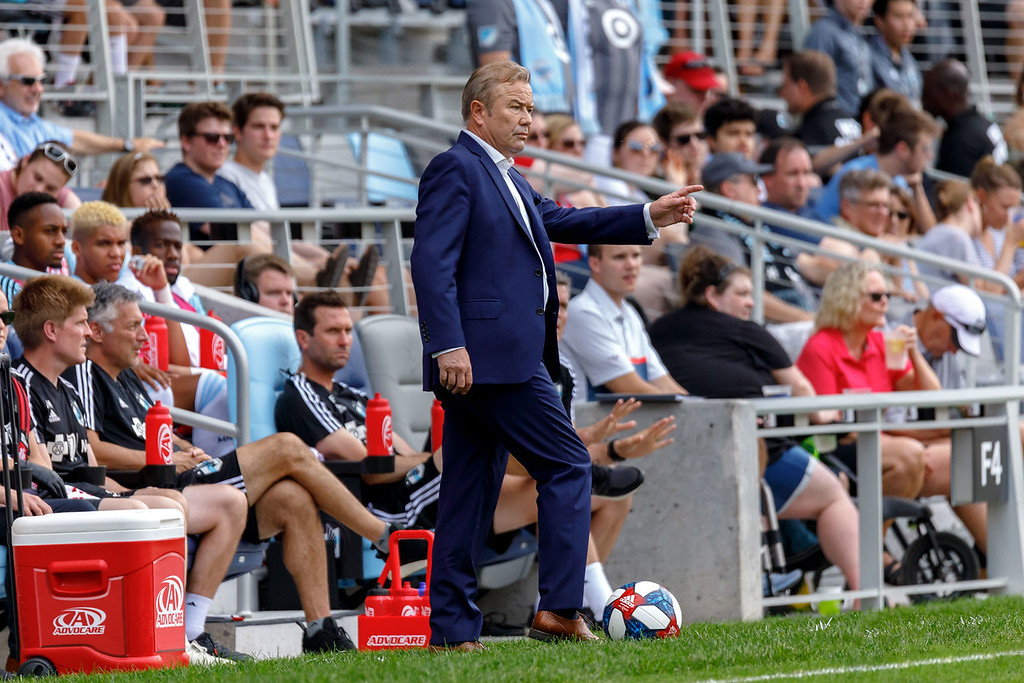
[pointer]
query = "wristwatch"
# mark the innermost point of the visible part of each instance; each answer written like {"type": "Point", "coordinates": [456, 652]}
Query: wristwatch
{"type": "Point", "coordinates": [129, 145]}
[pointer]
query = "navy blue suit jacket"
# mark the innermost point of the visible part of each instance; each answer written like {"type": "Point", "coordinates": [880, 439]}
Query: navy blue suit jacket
{"type": "Point", "coordinates": [477, 274]}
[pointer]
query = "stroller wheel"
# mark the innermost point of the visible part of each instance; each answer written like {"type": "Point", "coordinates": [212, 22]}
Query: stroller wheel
{"type": "Point", "coordinates": [939, 557]}
{"type": "Point", "coordinates": [37, 667]}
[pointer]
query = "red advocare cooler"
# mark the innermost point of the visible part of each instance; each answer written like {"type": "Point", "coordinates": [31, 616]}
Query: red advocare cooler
{"type": "Point", "coordinates": [101, 590]}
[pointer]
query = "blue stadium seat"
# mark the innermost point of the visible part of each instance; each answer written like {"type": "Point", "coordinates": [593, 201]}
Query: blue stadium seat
{"type": "Point", "coordinates": [386, 155]}
{"type": "Point", "coordinates": [273, 352]}
{"type": "Point", "coordinates": [291, 175]}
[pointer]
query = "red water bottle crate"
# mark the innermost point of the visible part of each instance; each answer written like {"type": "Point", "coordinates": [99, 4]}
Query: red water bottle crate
{"type": "Point", "coordinates": [398, 618]}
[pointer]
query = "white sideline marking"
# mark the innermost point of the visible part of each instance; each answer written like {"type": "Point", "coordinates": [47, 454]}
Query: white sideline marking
{"type": "Point", "coordinates": [868, 668]}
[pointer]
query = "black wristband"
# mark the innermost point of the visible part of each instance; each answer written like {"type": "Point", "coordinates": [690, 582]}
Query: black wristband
{"type": "Point", "coordinates": [612, 454]}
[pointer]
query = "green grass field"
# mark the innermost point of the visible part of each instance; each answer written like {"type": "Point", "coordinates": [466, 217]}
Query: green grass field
{"type": "Point", "coordinates": [853, 646]}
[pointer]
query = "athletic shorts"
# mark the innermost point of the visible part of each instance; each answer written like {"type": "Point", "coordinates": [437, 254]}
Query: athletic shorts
{"type": "Point", "coordinates": [222, 470]}
{"type": "Point", "coordinates": [411, 501]}
{"type": "Point", "coordinates": [788, 475]}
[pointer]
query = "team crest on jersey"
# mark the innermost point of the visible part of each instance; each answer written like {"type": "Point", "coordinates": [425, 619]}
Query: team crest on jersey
{"type": "Point", "coordinates": [138, 428]}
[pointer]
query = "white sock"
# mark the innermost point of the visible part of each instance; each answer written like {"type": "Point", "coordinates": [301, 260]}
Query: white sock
{"type": "Point", "coordinates": [596, 589]}
{"type": "Point", "coordinates": [196, 608]}
{"type": "Point", "coordinates": [67, 65]}
{"type": "Point", "coordinates": [119, 54]}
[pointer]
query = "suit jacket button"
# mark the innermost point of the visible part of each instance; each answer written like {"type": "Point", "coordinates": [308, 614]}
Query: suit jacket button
{"type": "Point", "coordinates": [537, 272]}
{"type": "Point", "coordinates": [540, 311]}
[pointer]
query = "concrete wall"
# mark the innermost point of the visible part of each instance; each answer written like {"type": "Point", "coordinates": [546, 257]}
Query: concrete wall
{"type": "Point", "coordinates": [694, 526]}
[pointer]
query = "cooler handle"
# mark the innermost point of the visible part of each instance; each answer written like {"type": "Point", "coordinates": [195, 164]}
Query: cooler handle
{"type": "Point", "coordinates": [77, 578]}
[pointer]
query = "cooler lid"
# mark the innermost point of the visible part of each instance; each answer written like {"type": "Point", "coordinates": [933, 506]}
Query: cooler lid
{"type": "Point", "coordinates": [113, 525]}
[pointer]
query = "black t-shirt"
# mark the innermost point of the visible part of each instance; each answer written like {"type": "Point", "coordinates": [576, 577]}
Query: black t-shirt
{"type": "Point", "coordinates": [827, 124]}
{"type": "Point", "coordinates": [58, 418]}
{"type": "Point", "coordinates": [715, 355]}
{"type": "Point", "coordinates": [115, 409]}
{"type": "Point", "coordinates": [307, 409]}
{"type": "Point", "coordinates": [968, 138]}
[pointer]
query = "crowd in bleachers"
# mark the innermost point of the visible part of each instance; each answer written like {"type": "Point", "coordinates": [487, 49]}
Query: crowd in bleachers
{"type": "Point", "coordinates": [854, 150]}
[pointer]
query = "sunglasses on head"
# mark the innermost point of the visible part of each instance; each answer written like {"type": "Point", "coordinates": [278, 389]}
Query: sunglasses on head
{"type": "Point", "coordinates": [684, 140]}
{"type": "Point", "coordinates": [7, 317]}
{"type": "Point", "coordinates": [27, 81]}
{"type": "Point", "coordinates": [149, 179]}
{"type": "Point", "coordinates": [59, 155]}
{"type": "Point", "coordinates": [636, 146]}
{"type": "Point", "coordinates": [214, 138]}
{"type": "Point", "coordinates": [878, 296]}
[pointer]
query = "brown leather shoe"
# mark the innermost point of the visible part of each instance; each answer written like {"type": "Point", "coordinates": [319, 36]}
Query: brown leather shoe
{"type": "Point", "coordinates": [548, 626]}
{"type": "Point", "coordinates": [467, 646]}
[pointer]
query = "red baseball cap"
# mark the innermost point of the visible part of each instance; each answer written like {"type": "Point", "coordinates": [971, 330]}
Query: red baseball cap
{"type": "Point", "coordinates": [693, 69]}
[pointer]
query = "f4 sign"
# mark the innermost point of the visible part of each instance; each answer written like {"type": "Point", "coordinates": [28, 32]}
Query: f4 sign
{"type": "Point", "coordinates": [980, 472]}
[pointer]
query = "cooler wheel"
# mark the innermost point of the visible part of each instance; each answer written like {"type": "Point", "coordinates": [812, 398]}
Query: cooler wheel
{"type": "Point", "coordinates": [37, 667]}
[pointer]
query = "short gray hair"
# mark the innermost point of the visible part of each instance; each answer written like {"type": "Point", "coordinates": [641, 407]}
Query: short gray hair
{"type": "Point", "coordinates": [18, 46]}
{"type": "Point", "coordinates": [109, 298]}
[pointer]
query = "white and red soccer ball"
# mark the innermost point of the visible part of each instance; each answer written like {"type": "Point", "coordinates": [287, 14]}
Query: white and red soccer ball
{"type": "Point", "coordinates": [642, 609]}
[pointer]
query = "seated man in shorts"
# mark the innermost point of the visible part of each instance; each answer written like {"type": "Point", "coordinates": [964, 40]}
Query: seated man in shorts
{"type": "Point", "coordinates": [53, 326]}
{"type": "Point", "coordinates": [284, 485]}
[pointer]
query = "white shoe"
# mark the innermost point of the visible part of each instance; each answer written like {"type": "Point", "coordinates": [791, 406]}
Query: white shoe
{"type": "Point", "coordinates": [198, 656]}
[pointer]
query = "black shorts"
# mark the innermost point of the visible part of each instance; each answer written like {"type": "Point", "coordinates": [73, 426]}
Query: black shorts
{"type": "Point", "coordinates": [94, 490]}
{"type": "Point", "coordinates": [412, 500]}
{"type": "Point", "coordinates": [222, 470]}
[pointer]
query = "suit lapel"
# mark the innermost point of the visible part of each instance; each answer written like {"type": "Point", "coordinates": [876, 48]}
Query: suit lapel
{"type": "Point", "coordinates": [492, 170]}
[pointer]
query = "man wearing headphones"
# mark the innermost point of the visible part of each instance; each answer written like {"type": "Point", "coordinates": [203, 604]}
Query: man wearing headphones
{"type": "Point", "coordinates": [267, 280]}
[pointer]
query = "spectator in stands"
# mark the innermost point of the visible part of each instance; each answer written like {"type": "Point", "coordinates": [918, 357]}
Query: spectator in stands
{"type": "Point", "coordinates": [787, 298]}
{"type": "Point", "coordinates": [21, 90]}
{"type": "Point", "coordinates": [892, 63]}
{"type": "Point", "coordinates": [1013, 126]}
{"type": "Point", "coordinates": [692, 78]}
{"type": "Point", "coordinates": [48, 168]}
{"type": "Point", "coordinates": [863, 207]}
{"type": "Point", "coordinates": [135, 180]}
{"type": "Point", "coordinates": [905, 149]}
{"type": "Point", "coordinates": [838, 34]}
{"type": "Point", "coordinates": [998, 187]}
{"type": "Point", "coordinates": [809, 88]}
{"type": "Point", "coordinates": [53, 328]}
{"type": "Point", "coordinates": [731, 125]}
{"type": "Point", "coordinates": [99, 241]}
{"type": "Point", "coordinates": [748, 61]}
{"type": "Point", "coordinates": [847, 352]}
{"type": "Point", "coordinates": [959, 216]}
{"type": "Point", "coordinates": [267, 280]}
{"type": "Point", "coordinates": [902, 231]}
{"type": "Point", "coordinates": [969, 136]}
{"type": "Point", "coordinates": [331, 417]}
{"type": "Point", "coordinates": [281, 478]}
{"type": "Point", "coordinates": [953, 321]}
{"type": "Point", "coordinates": [711, 343]}
{"type": "Point", "coordinates": [788, 183]}
{"type": "Point", "coordinates": [38, 230]}
{"type": "Point", "coordinates": [681, 129]}
{"type": "Point", "coordinates": [528, 33]}
{"type": "Point", "coordinates": [606, 335]}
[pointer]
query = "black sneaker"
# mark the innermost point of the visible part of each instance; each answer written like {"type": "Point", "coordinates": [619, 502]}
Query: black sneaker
{"type": "Point", "coordinates": [616, 482]}
{"type": "Point", "coordinates": [329, 638]}
{"type": "Point", "coordinates": [206, 642]}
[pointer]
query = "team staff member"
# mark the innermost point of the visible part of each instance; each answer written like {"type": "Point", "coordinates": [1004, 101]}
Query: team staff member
{"type": "Point", "coordinates": [490, 354]}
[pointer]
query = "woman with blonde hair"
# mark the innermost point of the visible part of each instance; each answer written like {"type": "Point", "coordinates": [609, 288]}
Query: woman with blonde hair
{"type": "Point", "coordinates": [846, 353]}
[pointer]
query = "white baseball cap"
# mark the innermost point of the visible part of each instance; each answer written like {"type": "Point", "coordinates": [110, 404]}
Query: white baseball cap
{"type": "Point", "coordinates": [964, 310]}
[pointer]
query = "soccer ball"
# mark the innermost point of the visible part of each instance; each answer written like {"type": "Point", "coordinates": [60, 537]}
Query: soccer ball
{"type": "Point", "coordinates": [642, 609]}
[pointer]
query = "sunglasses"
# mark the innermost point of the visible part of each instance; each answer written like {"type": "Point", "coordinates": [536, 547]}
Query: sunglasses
{"type": "Point", "coordinates": [878, 296]}
{"type": "Point", "coordinates": [902, 215]}
{"type": "Point", "coordinates": [59, 155]}
{"type": "Point", "coordinates": [638, 147]}
{"type": "Point", "coordinates": [684, 140]}
{"type": "Point", "coordinates": [7, 317]}
{"type": "Point", "coordinates": [27, 81]}
{"type": "Point", "coordinates": [214, 138]}
{"type": "Point", "coordinates": [148, 180]}
{"type": "Point", "coordinates": [573, 143]}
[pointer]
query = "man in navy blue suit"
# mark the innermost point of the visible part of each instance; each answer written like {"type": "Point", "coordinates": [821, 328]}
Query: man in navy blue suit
{"type": "Point", "coordinates": [485, 287]}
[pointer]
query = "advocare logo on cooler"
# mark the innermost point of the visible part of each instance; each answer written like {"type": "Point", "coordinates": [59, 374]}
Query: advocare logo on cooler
{"type": "Point", "coordinates": [80, 621]}
{"type": "Point", "coordinates": [396, 640]}
{"type": "Point", "coordinates": [170, 603]}
{"type": "Point", "coordinates": [385, 434]}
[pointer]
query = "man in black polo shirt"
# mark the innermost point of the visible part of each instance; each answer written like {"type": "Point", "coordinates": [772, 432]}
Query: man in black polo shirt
{"type": "Point", "coordinates": [809, 88]}
{"type": "Point", "coordinates": [969, 136]}
{"type": "Point", "coordinates": [284, 485]}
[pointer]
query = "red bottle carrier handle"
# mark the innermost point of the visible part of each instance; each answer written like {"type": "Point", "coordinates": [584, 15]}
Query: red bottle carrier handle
{"type": "Point", "coordinates": [393, 566]}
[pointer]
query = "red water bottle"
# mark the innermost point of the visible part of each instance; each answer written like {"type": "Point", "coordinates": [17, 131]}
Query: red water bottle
{"type": "Point", "coordinates": [212, 351]}
{"type": "Point", "coordinates": [378, 427]}
{"type": "Point", "coordinates": [159, 445]}
{"type": "Point", "coordinates": [436, 425]}
{"type": "Point", "coordinates": [155, 352]}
